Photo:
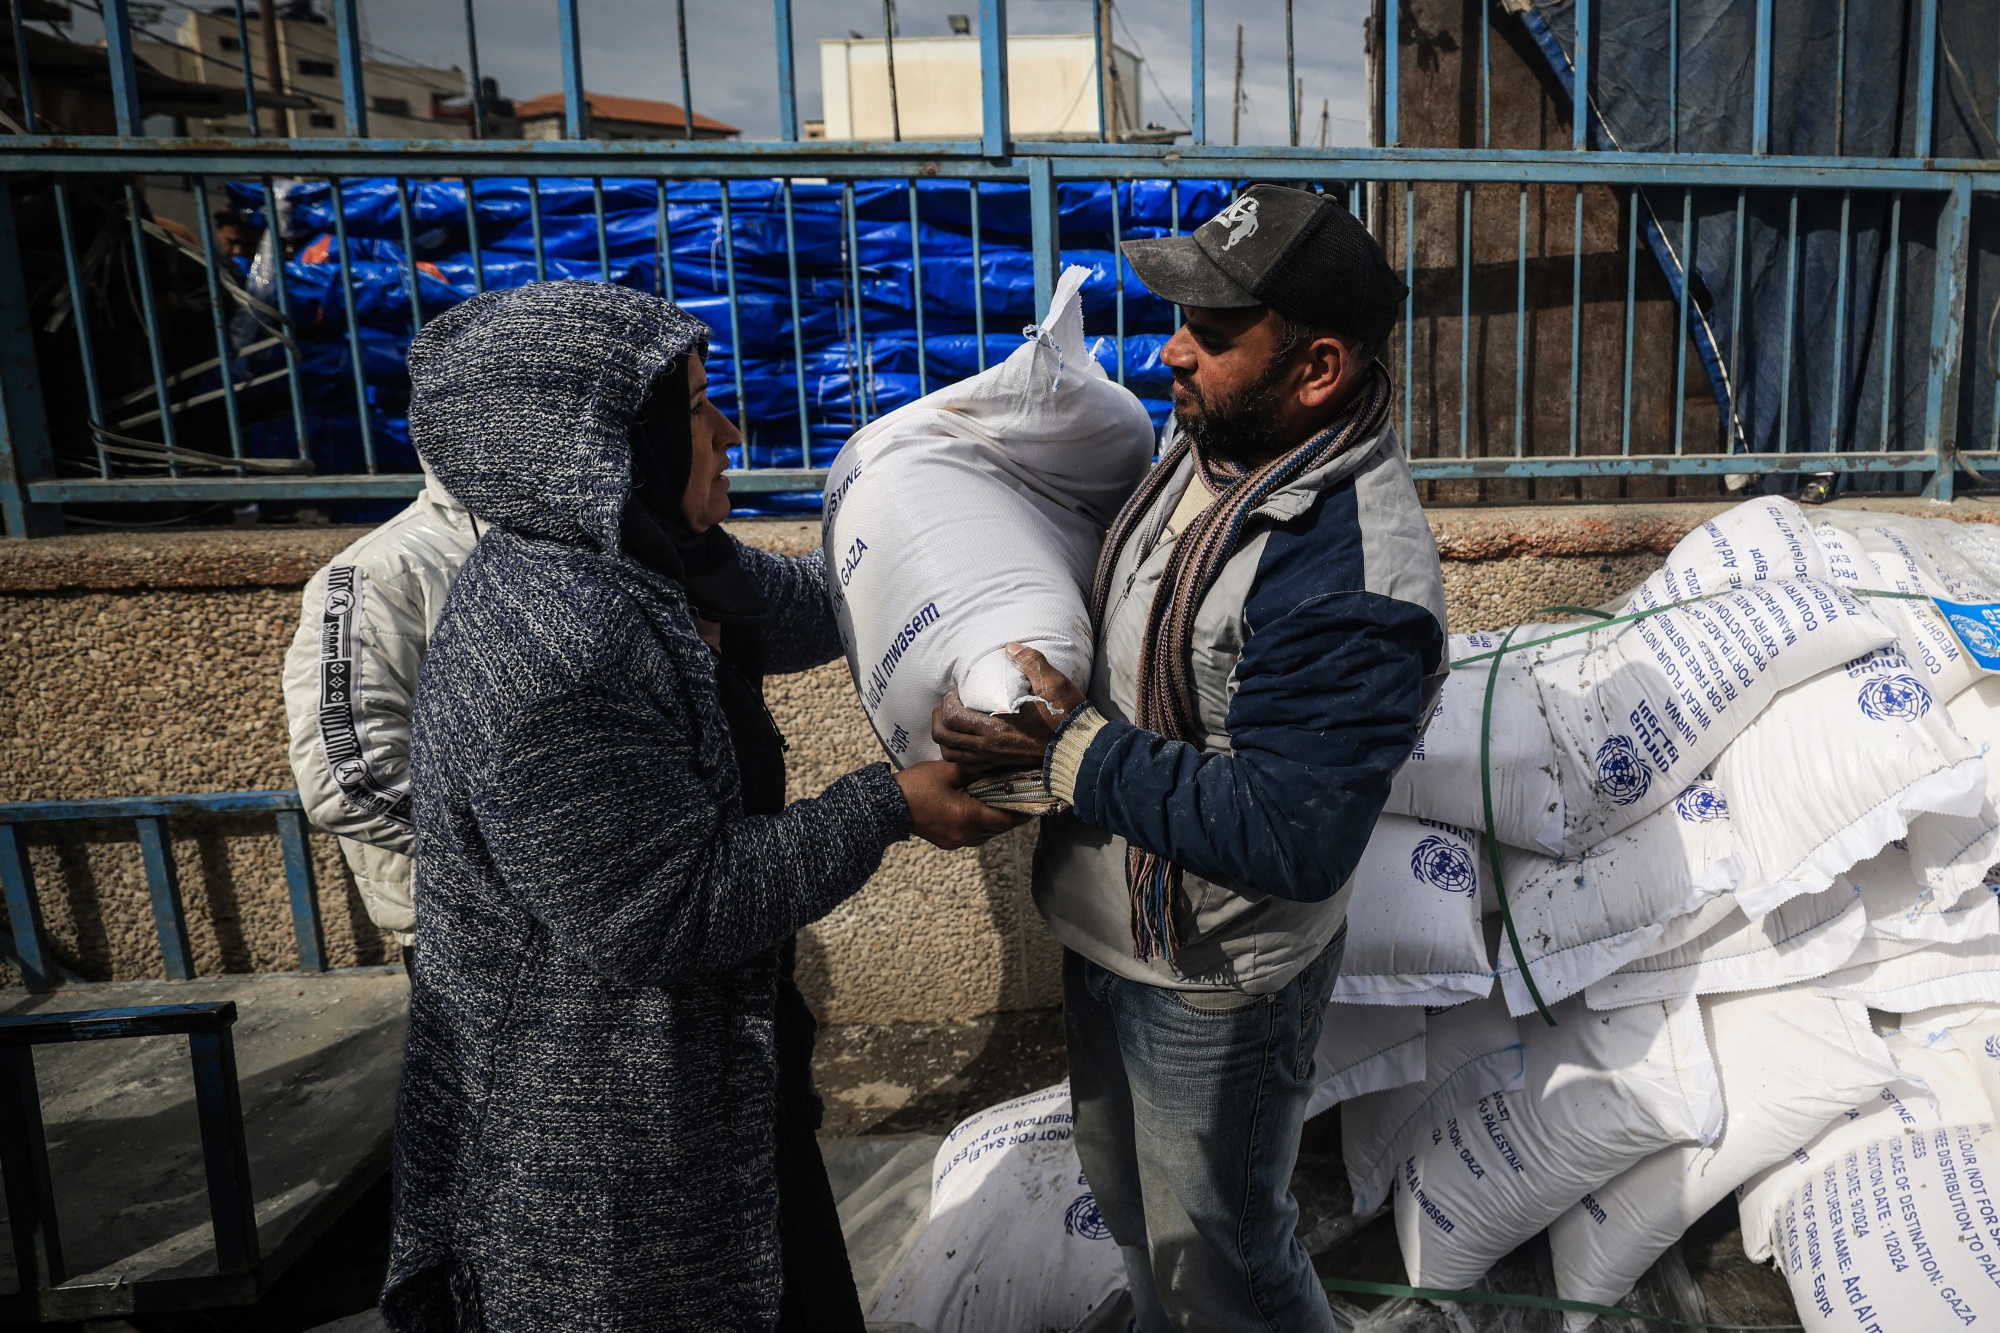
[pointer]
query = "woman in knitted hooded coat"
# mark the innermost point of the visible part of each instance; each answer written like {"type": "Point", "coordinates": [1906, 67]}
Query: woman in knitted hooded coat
{"type": "Point", "coordinates": [601, 1014]}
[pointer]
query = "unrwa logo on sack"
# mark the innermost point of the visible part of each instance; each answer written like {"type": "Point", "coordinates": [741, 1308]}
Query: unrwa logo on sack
{"type": "Point", "coordinates": [1444, 865]}
{"type": "Point", "coordinates": [1701, 803]}
{"type": "Point", "coordinates": [1084, 1219]}
{"type": "Point", "coordinates": [1993, 1048]}
{"type": "Point", "coordinates": [1894, 699]}
{"type": "Point", "coordinates": [1622, 773]}
{"type": "Point", "coordinates": [1978, 635]}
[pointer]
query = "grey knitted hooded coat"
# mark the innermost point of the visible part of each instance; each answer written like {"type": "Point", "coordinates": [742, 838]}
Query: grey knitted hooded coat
{"type": "Point", "coordinates": [584, 1133]}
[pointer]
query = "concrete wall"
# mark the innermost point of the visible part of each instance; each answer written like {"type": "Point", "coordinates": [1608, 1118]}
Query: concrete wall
{"type": "Point", "coordinates": [143, 664]}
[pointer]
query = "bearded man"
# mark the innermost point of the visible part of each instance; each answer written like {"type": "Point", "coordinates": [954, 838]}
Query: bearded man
{"type": "Point", "coordinates": [1270, 628]}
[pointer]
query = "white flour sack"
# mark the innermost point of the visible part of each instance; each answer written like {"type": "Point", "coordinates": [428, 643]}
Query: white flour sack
{"type": "Point", "coordinates": [1639, 709]}
{"type": "Point", "coordinates": [1441, 778]}
{"type": "Point", "coordinates": [1902, 1233]}
{"type": "Point", "coordinates": [1950, 854]}
{"type": "Point", "coordinates": [1971, 1032]}
{"type": "Point", "coordinates": [1867, 550]}
{"type": "Point", "coordinates": [1365, 1048]}
{"type": "Point", "coordinates": [1900, 912]}
{"type": "Point", "coordinates": [1766, 538]}
{"type": "Point", "coordinates": [971, 519]}
{"type": "Point", "coordinates": [1581, 918]}
{"type": "Point", "coordinates": [1602, 1092]}
{"type": "Point", "coordinates": [1413, 931]}
{"type": "Point", "coordinates": [1471, 1051]}
{"type": "Point", "coordinates": [1801, 940]}
{"type": "Point", "coordinates": [1835, 769]}
{"type": "Point", "coordinates": [1789, 1064]}
{"type": "Point", "coordinates": [1015, 1240]}
{"type": "Point", "coordinates": [1923, 977]}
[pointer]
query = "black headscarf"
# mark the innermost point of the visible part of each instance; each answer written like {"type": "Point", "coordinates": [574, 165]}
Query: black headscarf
{"type": "Point", "coordinates": [654, 530]}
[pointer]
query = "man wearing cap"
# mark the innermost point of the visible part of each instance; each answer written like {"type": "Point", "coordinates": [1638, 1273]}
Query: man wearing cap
{"type": "Point", "coordinates": [1270, 640]}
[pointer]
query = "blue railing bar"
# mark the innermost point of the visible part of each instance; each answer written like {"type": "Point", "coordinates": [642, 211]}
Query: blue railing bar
{"type": "Point", "coordinates": [1786, 368]}
{"type": "Point", "coordinates": [149, 307]}
{"type": "Point", "coordinates": [535, 228]}
{"type": "Point", "coordinates": [97, 156]}
{"type": "Point", "coordinates": [472, 233]}
{"type": "Point", "coordinates": [1927, 48]}
{"type": "Point", "coordinates": [1486, 73]}
{"type": "Point", "coordinates": [1291, 76]}
{"type": "Point", "coordinates": [687, 79]}
{"type": "Point", "coordinates": [1947, 339]}
{"type": "Point", "coordinates": [1580, 101]}
{"type": "Point", "coordinates": [1097, 70]}
{"type": "Point", "coordinates": [303, 887]}
{"type": "Point", "coordinates": [1465, 326]}
{"type": "Point", "coordinates": [1392, 62]}
{"type": "Point", "coordinates": [1838, 386]}
{"type": "Point", "coordinates": [1653, 465]}
{"type": "Point", "coordinates": [353, 95]}
{"type": "Point", "coordinates": [995, 134]}
{"type": "Point", "coordinates": [735, 320]}
{"type": "Point", "coordinates": [282, 290]}
{"type": "Point", "coordinates": [1889, 344]}
{"type": "Point", "coordinates": [1409, 301]}
{"type": "Point", "coordinates": [858, 375]}
{"type": "Point", "coordinates": [24, 911]}
{"type": "Point", "coordinates": [163, 886]}
{"type": "Point", "coordinates": [218, 1103]}
{"type": "Point", "coordinates": [210, 266]}
{"type": "Point", "coordinates": [1117, 289]}
{"type": "Point", "coordinates": [788, 107]}
{"type": "Point", "coordinates": [979, 274]}
{"type": "Point", "coordinates": [798, 326]}
{"type": "Point", "coordinates": [24, 1165]}
{"type": "Point", "coordinates": [664, 243]}
{"type": "Point", "coordinates": [569, 42]}
{"type": "Point", "coordinates": [1521, 330]}
{"type": "Point", "coordinates": [153, 807]}
{"type": "Point", "coordinates": [249, 77]}
{"type": "Point", "coordinates": [151, 1020]}
{"type": "Point", "coordinates": [1674, 76]}
{"type": "Point", "coordinates": [1198, 71]}
{"type": "Point", "coordinates": [1631, 290]}
{"type": "Point", "coordinates": [353, 327]}
{"type": "Point", "coordinates": [410, 279]}
{"type": "Point", "coordinates": [25, 80]}
{"type": "Point", "coordinates": [475, 89]}
{"type": "Point", "coordinates": [917, 292]}
{"type": "Point", "coordinates": [246, 490]}
{"type": "Point", "coordinates": [1840, 82]}
{"type": "Point", "coordinates": [1576, 329]}
{"type": "Point", "coordinates": [124, 72]}
{"type": "Point", "coordinates": [1733, 428]}
{"type": "Point", "coordinates": [603, 236]}
{"type": "Point", "coordinates": [1760, 114]}
{"type": "Point", "coordinates": [1044, 226]}
{"type": "Point", "coordinates": [79, 313]}
{"type": "Point", "coordinates": [1681, 335]}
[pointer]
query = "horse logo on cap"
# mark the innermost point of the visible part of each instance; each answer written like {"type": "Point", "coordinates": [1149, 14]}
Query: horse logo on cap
{"type": "Point", "coordinates": [1241, 219]}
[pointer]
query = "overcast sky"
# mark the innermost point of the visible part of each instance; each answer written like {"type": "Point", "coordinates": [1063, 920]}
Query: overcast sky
{"type": "Point", "coordinates": [629, 49]}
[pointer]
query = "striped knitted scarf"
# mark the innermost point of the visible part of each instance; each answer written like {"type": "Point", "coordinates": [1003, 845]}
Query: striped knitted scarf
{"type": "Point", "coordinates": [1168, 703]}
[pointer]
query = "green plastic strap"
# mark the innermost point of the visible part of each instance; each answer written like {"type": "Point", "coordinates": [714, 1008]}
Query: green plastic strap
{"type": "Point", "coordinates": [1359, 1287]}
{"type": "Point", "coordinates": [1605, 620]}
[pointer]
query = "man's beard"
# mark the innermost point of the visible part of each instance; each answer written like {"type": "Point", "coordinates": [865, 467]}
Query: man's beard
{"type": "Point", "coordinates": [1240, 429]}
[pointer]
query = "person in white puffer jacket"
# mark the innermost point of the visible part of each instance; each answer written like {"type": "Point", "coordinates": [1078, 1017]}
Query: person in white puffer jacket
{"type": "Point", "coordinates": [350, 676]}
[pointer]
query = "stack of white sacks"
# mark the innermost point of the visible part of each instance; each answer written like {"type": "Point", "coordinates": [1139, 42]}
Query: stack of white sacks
{"type": "Point", "coordinates": [1746, 845]}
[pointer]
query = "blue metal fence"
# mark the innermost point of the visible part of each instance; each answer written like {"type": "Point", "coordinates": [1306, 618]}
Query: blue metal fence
{"type": "Point", "coordinates": [846, 277]}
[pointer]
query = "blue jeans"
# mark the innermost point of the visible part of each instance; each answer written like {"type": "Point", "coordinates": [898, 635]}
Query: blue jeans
{"type": "Point", "coordinates": [1188, 1109]}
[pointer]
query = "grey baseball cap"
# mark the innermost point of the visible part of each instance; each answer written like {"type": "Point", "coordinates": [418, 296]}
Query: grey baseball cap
{"type": "Point", "coordinates": [1300, 253]}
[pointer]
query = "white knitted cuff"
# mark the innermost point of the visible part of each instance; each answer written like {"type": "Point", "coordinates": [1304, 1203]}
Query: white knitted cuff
{"type": "Point", "coordinates": [1066, 755]}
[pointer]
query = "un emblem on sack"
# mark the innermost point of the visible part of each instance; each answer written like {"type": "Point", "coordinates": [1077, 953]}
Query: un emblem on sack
{"type": "Point", "coordinates": [1084, 1220]}
{"type": "Point", "coordinates": [1978, 635]}
{"type": "Point", "coordinates": [1621, 770]}
{"type": "Point", "coordinates": [1702, 803]}
{"type": "Point", "coordinates": [1444, 865]}
{"type": "Point", "coordinates": [1894, 699]}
